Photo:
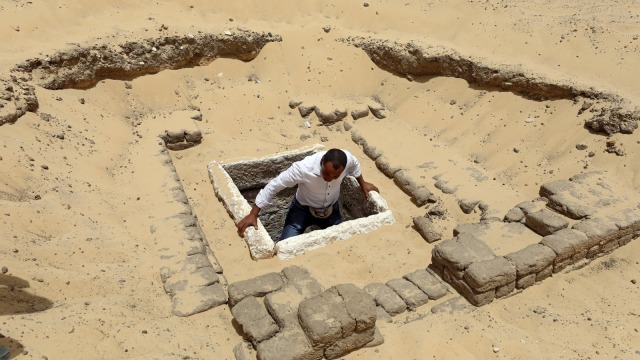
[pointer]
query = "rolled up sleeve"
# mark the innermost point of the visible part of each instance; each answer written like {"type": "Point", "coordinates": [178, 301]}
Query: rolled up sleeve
{"type": "Point", "coordinates": [287, 178]}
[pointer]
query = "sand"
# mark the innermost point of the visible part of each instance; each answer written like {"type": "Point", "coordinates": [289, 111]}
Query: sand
{"type": "Point", "coordinates": [83, 278]}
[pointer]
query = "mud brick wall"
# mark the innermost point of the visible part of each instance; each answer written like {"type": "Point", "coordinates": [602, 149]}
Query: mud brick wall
{"type": "Point", "coordinates": [606, 219]}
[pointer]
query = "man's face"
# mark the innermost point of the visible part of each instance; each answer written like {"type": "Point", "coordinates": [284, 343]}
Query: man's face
{"type": "Point", "coordinates": [329, 173]}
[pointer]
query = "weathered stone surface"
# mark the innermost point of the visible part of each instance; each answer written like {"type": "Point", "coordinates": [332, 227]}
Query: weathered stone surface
{"type": "Point", "coordinates": [325, 319]}
{"type": "Point", "coordinates": [300, 278]}
{"type": "Point", "coordinates": [426, 229]}
{"type": "Point", "coordinates": [382, 315]}
{"type": "Point", "coordinates": [196, 300]}
{"type": "Point", "coordinates": [504, 290]}
{"type": "Point", "coordinates": [258, 286]}
{"type": "Point", "coordinates": [428, 283]}
{"type": "Point", "coordinates": [445, 187]}
{"type": "Point", "coordinates": [485, 275]}
{"type": "Point", "coordinates": [526, 281]}
{"type": "Point", "coordinates": [329, 117]}
{"type": "Point", "coordinates": [360, 113]}
{"type": "Point", "coordinates": [474, 297]}
{"type": "Point", "coordinates": [531, 259]}
{"type": "Point", "coordinates": [468, 205]}
{"type": "Point", "coordinates": [514, 215]}
{"type": "Point", "coordinates": [454, 305]}
{"type": "Point", "coordinates": [386, 298]}
{"type": "Point", "coordinates": [555, 187]}
{"type": "Point", "coordinates": [256, 322]}
{"type": "Point", "coordinates": [411, 294]}
{"type": "Point", "coordinates": [294, 103]}
{"type": "Point", "coordinates": [378, 339]}
{"type": "Point", "coordinates": [570, 206]}
{"type": "Point", "coordinates": [348, 344]}
{"type": "Point", "coordinates": [420, 195]}
{"type": "Point", "coordinates": [359, 305]}
{"type": "Point", "coordinates": [627, 220]}
{"type": "Point", "coordinates": [244, 351]}
{"type": "Point", "coordinates": [545, 222]}
{"type": "Point", "coordinates": [544, 273]}
{"type": "Point", "coordinates": [377, 111]}
{"type": "Point", "coordinates": [283, 306]}
{"type": "Point", "coordinates": [289, 344]}
{"type": "Point", "coordinates": [383, 164]}
{"type": "Point", "coordinates": [461, 251]}
{"type": "Point", "coordinates": [371, 151]}
{"type": "Point", "coordinates": [306, 110]}
{"type": "Point", "coordinates": [566, 243]}
{"type": "Point", "coordinates": [196, 278]}
{"type": "Point", "coordinates": [533, 205]}
{"type": "Point", "coordinates": [597, 230]}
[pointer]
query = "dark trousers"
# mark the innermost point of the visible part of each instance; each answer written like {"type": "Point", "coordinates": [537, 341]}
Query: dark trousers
{"type": "Point", "coordinates": [299, 218]}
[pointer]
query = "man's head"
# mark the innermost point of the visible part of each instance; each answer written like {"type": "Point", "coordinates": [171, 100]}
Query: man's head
{"type": "Point", "coordinates": [332, 164]}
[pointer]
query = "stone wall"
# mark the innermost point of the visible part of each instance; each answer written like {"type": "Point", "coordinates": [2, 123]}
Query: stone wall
{"type": "Point", "coordinates": [603, 218]}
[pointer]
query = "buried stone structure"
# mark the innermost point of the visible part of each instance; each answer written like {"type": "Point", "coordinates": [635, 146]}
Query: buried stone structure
{"type": "Point", "coordinates": [237, 184]}
{"type": "Point", "coordinates": [577, 220]}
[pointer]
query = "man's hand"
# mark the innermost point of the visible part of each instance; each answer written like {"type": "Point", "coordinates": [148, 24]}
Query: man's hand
{"type": "Point", "coordinates": [249, 220]}
{"type": "Point", "coordinates": [367, 186]}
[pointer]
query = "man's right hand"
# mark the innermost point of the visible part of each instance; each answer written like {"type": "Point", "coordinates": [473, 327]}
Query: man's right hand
{"type": "Point", "coordinates": [249, 220]}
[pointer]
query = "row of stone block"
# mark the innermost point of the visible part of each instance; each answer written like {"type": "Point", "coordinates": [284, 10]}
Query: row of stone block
{"type": "Point", "coordinates": [287, 315]}
{"type": "Point", "coordinates": [190, 272]}
{"type": "Point", "coordinates": [408, 292]}
{"type": "Point", "coordinates": [473, 269]}
{"type": "Point", "coordinates": [420, 194]}
{"type": "Point", "coordinates": [328, 118]}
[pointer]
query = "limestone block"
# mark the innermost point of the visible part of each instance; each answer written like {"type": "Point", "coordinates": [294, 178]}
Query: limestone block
{"type": "Point", "coordinates": [300, 279]}
{"type": "Point", "coordinates": [566, 243]}
{"type": "Point", "coordinates": [533, 205]}
{"type": "Point", "coordinates": [371, 151]}
{"type": "Point", "coordinates": [570, 206]}
{"type": "Point", "coordinates": [474, 297]}
{"type": "Point", "coordinates": [556, 187]}
{"type": "Point", "coordinates": [597, 230]}
{"type": "Point", "coordinates": [627, 220]}
{"type": "Point", "coordinates": [594, 251]}
{"type": "Point", "coordinates": [289, 344]}
{"type": "Point", "coordinates": [244, 351]}
{"type": "Point", "coordinates": [256, 322]}
{"type": "Point", "coordinates": [306, 110]}
{"type": "Point", "coordinates": [359, 305]}
{"type": "Point", "coordinates": [461, 251]}
{"type": "Point", "coordinates": [383, 164]}
{"type": "Point", "coordinates": [485, 275]}
{"type": "Point", "coordinates": [544, 273]}
{"type": "Point", "coordinates": [545, 222]}
{"type": "Point", "coordinates": [504, 290]}
{"type": "Point", "coordinates": [526, 281]}
{"type": "Point", "coordinates": [357, 138]}
{"type": "Point", "coordinates": [531, 259]}
{"type": "Point", "coordinates": [386, 298]}
{"type": "Point", "coordinates": [420, 195]}
{"type": "Point", "coordinates": [378, 339]}
{"type": "Point", "coordinates": [382, 315]}
{"type": "Point", "coordinates": [258, 286]}
{"type": "Point", "coordinates": [359, 114]}
{"type": "Point", "coordinates": [444, 186]}
{"type": "Point", "coordinates": [283, 306]}
{"type": "Point", "coordinates": [428, 283]}
{"type": "Point", "coordinates": [426, 229]}
{"type": "Point", "coordinates": [198, 277]}
{"type": "Point", "coordinates": [377, 111]}
{"type": "Point", "coordinates": [411, 294]}
{"type": "Point", "coordinates": [468, 205]}
{"type": "Point", "coordinates": [325, 319]}
{"type": "Point", "coordinates": [348, 344]}
{"type": "Point", "coordinates": [331, 117]}
{"type": "Point", "coordinates": [196, 300]}
{"type": "Point", "coordinates": [514, 215]}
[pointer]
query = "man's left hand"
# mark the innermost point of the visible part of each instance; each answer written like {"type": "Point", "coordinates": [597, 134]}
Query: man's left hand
{"type": "Point", "coordinates": [367, 186]}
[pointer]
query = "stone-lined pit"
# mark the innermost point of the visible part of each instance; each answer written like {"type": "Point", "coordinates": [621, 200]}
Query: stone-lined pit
{"type": "Point", "coordinates": [237, 185]}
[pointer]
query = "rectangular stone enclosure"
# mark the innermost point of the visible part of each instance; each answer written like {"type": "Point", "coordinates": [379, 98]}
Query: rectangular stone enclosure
{"type": "Point", "coordinates": [237, 184]}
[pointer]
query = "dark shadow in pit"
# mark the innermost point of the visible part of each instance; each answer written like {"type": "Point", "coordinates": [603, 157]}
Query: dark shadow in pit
{"type": "Point", "coordinates": [15, 300]}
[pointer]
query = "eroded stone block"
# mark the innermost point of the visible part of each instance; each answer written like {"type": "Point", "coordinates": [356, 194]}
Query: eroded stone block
{"type": "Point", "coordinates": [198, 299]}
{"type": "Point", "coordinates": [290, 344]}
{"type": "Point", "coordinates": [566, 243]}
{"type": "Point", "coordinates": [283, 306]}
{"type": "Point", "coordinates": [485, 275]}
{"type": "Point", "coordinates": [474, 297]}
{"type": "Point", "coordinates": [545, 222]}
{"type": "Point", "coordinates": [359, 305]}
{"type": "Point", "coordinates": [426, 229]}
{"type": "Point", "coordinates": [386, 298]}
{"type": "Point", "coordinates": [461, 251]}
{"type": "Point", "coordinates": [258, 286]}
{"type": "Point", "coordinates": [350, 343]}
{"type": "Point", "coordinates": [300, 278]}
{"type": "Point", "coordinates": [325, 319]}
{"type": "Point", "coordinates": [411, 294]}
{"type": "Point", "coordinates": [256, 322]}
{"type": "Point", "coordinates": [531, 259]}
{"type": "Point", "coordinates": [428, 283]}
{"type": "Point", "coordinates": [597, 230]}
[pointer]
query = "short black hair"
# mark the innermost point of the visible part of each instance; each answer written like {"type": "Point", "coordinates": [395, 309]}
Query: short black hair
{"type": "Point", "coordinates": [337, 158]}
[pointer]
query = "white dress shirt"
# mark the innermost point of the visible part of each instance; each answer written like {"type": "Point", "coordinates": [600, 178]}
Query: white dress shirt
{"type": "Point", "coordinates": [312, 189]}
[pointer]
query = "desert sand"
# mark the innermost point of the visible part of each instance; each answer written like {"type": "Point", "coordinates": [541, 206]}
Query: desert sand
{"type": "Point", "coordinates": [79, 188]}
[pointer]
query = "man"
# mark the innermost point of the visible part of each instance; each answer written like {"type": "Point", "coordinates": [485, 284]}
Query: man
{"type": "Point", "coordinates": [318, 177]}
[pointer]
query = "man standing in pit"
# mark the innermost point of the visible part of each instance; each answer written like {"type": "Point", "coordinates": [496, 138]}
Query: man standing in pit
{"type": "Point", "coordinates": [318, 177]}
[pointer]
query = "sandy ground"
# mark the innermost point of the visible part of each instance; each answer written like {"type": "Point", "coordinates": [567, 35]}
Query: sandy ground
{"type": "Point", "coordinates": [83, 273]}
